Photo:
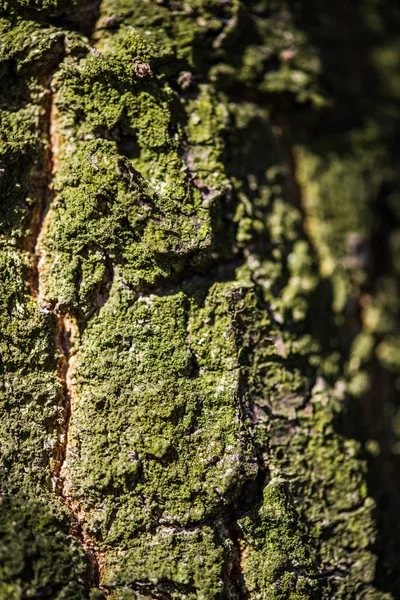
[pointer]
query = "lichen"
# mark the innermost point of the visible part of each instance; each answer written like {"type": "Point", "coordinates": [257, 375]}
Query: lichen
{"type": "Point", "coordinates": [166, 220]}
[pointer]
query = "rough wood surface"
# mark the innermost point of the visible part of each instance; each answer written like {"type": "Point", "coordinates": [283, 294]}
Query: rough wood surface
{"type": "Point", "coordinates": [199, 300]}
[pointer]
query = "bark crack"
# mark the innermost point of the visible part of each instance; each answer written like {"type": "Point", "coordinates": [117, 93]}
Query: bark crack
{"type": "Point", "coordinates": [38, 224]}
{"type": "Point", "coordinates": [236, 578]}
{"type": "Point", "coordinates": [66, 331]}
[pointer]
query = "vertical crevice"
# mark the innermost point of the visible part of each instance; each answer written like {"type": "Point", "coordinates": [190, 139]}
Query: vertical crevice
{"type": "Point", "coordinates": [88, 17]}
{"type": "Point", "coordinates": [44, 195]}
{"type": "Point", "coordinates": [66, 329]}
{"type": "Point", "coordinates": [67, 335]}
{"type": "Point", "coordinates": [286, 144]}
{"type": "Point", "coordinates": [236, 579]}
{"type": "Point", "coordinates": [63, 343]}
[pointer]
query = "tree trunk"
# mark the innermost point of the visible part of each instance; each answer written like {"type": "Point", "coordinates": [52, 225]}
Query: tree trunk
{"type": "Point", "coordinates": [199, 306]}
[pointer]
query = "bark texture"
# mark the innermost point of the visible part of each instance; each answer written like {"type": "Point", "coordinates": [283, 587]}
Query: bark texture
{"type": "Point", "coordinates": [199, 305]}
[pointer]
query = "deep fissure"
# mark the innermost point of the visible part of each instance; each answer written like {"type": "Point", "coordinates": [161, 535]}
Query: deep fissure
{"type": "Point", "coordinates": [65, 328]}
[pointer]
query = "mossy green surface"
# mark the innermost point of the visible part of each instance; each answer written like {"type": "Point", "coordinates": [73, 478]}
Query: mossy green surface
{"type": "Point", "coordinates": [38, 556]}
{"type": "Point", "coordinates": [205, 454]}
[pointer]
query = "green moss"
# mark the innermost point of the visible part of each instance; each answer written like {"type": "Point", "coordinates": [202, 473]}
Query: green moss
{"type": "Point", "coordinates": [76, 14]}
{"type": "Point", "coordinates": [205, 391]}
{"type": "Point", "coordinates": [339, 189]}
{"type": "Point", "coordinates": [165, 441]}
{"type": "Point", "coordinates": [37, 5]}
{"type": "Point", "coordinates": [279, 563]}
{"type": "Point", "coordinates": [256, 44]}
{"type": "Point", "coordinates": [178, 562]}
{"type": "Point", "coordinates": [144, 212]}
{"type": "Point", "coordinates": [38, 558]}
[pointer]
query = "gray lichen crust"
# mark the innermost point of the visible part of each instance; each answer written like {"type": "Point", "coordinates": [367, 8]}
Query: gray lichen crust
{"type": "Point", "coordinates": [172, 386]}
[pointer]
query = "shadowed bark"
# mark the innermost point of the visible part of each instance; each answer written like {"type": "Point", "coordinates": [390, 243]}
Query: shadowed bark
{"type": "Point", "coordinates": [199, 305]}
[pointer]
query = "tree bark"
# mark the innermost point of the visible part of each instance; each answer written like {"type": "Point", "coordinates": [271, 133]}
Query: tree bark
{"type": "Point", "coordinates": [199, 299]}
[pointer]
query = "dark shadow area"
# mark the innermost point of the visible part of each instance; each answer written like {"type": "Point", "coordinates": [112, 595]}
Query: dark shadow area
{"type": "Point", "coordinates": [357, 46]}
{"type": "Point", "coordinates": [76, 15]}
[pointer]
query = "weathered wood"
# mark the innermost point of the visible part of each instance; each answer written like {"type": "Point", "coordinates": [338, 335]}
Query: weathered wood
{"type": "Point", "coordinates": [199, 300]}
